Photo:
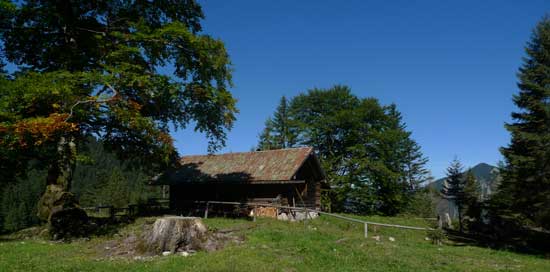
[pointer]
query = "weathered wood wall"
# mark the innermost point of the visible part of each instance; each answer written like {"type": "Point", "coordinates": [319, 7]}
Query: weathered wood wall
{"type": "Point", "coordinates": [299, 194]}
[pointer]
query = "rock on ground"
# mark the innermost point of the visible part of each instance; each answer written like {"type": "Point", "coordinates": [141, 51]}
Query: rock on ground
{"type": "Point", "coordinates": [297, 216]}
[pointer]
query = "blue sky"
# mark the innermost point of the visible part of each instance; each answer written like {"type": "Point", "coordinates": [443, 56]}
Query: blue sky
{"type": "Point", "coordinates": [450, 66]}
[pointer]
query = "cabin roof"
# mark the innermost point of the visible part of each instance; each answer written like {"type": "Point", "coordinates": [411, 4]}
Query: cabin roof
{"type": "Point", "coordinates": [279, 165]}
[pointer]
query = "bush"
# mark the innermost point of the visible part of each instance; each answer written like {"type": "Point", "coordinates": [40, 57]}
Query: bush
{"type": "Point", "coordinates": [421, 204]}
{"type": "Point", "coordinates": [437, 236]}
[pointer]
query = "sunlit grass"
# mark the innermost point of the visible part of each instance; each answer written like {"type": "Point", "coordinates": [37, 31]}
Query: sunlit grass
{"type": "Point", "coordinates": [324, 244]}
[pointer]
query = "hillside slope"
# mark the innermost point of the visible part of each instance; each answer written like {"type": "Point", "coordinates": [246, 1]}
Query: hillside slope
{"type": "Point", "coordinates": [324, 244]}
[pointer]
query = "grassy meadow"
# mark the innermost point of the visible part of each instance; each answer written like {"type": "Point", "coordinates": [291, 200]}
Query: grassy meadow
{"type": "Point", "coordinates": [324, 244]}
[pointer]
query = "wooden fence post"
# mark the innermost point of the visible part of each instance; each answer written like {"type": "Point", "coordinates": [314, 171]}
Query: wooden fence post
{"type": "Point", "coordinates": [112, 212]}
{"type": "Point", "coordinates": [366, 230]}
{"type": "Point", "coordinates": [132, 210]}
{"type": "Point", "coordinates": [206, 210]}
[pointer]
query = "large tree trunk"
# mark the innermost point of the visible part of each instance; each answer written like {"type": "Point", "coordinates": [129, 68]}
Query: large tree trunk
{"type": "Point", "coordinates": [58, 206]}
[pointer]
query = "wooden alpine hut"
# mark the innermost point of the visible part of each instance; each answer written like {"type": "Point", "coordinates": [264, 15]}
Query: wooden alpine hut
{"type": "Point", "coordinates": [288, 177]}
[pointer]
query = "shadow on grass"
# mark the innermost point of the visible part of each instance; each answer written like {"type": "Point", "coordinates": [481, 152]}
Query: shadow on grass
{"type": "Point", "coordinates": [466, 239]}
{"type": "Point", "coordinates": [107, 226]}
{"type": "Point", "coordinates": [5, 239]}
{"type": "Point", "coordinates": [516, 245]}
{"type": "Point", "coordinates": [94, 226]}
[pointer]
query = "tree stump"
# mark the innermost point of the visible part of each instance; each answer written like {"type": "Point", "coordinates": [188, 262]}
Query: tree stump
{"type": "Point", "coordinates": [176, 233]}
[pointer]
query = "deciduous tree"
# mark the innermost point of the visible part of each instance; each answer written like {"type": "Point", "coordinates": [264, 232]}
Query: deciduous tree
{"type": "Point", "coordinates": [123, 71]}
{"type": "Point", "coordinates": [372, 163]}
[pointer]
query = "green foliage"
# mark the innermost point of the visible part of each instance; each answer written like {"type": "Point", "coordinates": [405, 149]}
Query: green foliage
{"type": "Point", "coordinates": [523, 197]}
{"type": "Point", "coordinates": [99, 179]}
{"type": "Point", "coordinates": [473, 203]}
{"type": "Point", "coordinates": [437, 236]}
{"type": "Point", "coordinates": [486, 175]}
{"type": "Point", "coordinates": [453, 188]}
{"type": "Point", "coordinates": [18, 201]}
{"type": "Point", "coordinates": [372, 163]}
{"type": "Point", "coordinates": [99, 69]}
{"type": "Point", "coordinates": [280, 131]}
{"type": "Point", "coordinates": [105, 180]}
{"type": "Point", "coordinates": [112, 190]}
{"type": "Point", "coordinates": [472, 194]}
{"type": "Point", "coordinates": [421, 204]}
{"type": "Point", "coordinates": [93, 69]}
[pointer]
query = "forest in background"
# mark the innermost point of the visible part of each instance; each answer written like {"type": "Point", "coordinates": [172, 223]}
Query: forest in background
{"type": "Point", "coordinates": [100, 179]}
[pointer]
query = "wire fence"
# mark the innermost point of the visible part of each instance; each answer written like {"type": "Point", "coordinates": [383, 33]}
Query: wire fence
{"type": "Point", "coordinates": [307, 212]}
{"type": "Point", "coordinates": [161, 205]}
{"type": "Point", "coordinates": [152, 206]}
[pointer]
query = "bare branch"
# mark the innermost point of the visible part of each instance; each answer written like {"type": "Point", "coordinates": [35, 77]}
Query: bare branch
{"type": "Point", "coordinates": [97, 101]}
{"type": "Point", "coordinates": [92, 31]}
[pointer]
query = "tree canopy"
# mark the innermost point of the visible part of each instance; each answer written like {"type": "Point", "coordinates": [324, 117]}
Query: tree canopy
{"type": "Point", "coordinates": [372, 163]}
{"type": "Point", "coordinates": [95, 68]}
{"type": "Point", "coordinates": [125, 72]}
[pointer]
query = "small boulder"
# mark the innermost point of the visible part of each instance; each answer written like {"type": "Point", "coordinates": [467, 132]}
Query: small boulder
{"type": "Point", "coordinates": [313, 215]}
{"type": "Point", "coordinates": [299, 216]}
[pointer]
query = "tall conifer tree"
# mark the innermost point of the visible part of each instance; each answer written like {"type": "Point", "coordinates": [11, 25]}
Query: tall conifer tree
{"type": "Point", "coordinates": [524, 194]}
{"type": "Point", "coordinates": [279, 132]}
{"type": "Point", "coordinates": [453, 188]}
{"type": "Point", "coordinates": [472, 198]}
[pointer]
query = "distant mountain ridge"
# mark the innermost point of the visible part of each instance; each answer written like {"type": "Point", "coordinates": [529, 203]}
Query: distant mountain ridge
{"type": "Point", "coordinates": [487, 175]}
